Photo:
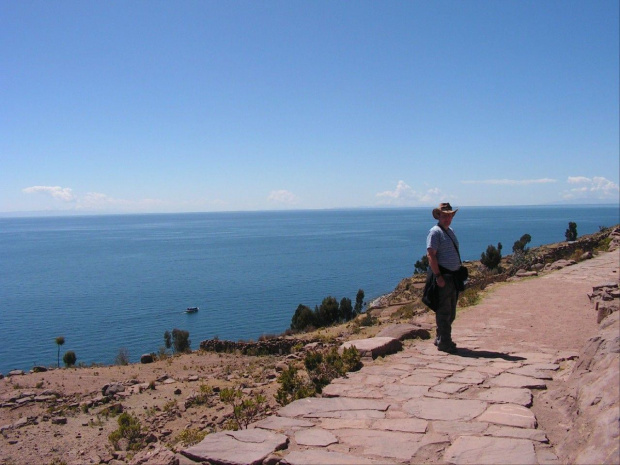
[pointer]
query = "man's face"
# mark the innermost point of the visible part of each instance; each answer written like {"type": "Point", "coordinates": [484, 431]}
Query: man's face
{"type": "Point", "coordinates": [445, 219]}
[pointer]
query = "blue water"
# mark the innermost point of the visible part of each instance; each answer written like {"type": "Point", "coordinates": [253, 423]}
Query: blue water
{"type": "Point", "coordinates": [111, 282]}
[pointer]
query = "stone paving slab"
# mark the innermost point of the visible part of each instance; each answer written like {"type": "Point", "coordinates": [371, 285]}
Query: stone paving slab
{"type": "Point", "coordinates": [518, 381]}
{"type": "Point", "coordinates": [468, 376]}
{"type": "Point", "coordinates": [519, 433]}
{"type": "Point", "coordinates": [451, 388]}
{"type": "Point", "coordinates": [505, 395]}
{"type": "Point", "coordinates": [281, 424]}
{"type": "Point", "coordinates": [391, 444]}
{"type": "Point", "coordinates": [346, 390]}
{"type": "Point", "coordinates": [473, 450]}
{"type": "Point", "coordinates": [459, 428]}
{"type": "Point", "coordinates": [315, 437]}
{"type": "Point", "coordinates": [445, 409]}
{"type": "Point", "coordinates": [530, 370]}
{"type": "Point", "coordinates": [375, 346]}
{"type": "Point", "coordinates": [323, 457]}
{"type": "Point", "coordinates": [245, 447]}
{"type": "Point", "coordinates": [405, 425]}
{"type": "Point", "coordinates": [313, 405]}
{"type": "Point", "coordinates": [403, 331]}
{"type": "Point", "coordinates": [509, 415]}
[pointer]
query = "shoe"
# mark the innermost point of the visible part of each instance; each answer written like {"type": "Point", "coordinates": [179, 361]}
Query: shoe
{"type": "Point", "coordinates": [449, 348]}
{"type": "Point", "coordinates": [437, 342]}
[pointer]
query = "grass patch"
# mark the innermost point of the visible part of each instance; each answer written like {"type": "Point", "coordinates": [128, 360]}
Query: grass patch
{"type": "Point", "coordinates": [469, 297]}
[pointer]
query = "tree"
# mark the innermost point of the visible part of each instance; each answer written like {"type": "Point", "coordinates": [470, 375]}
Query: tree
{"type": "Point", "coordinates": [345, 311]}
{"type": "Point", "coordinates": [359, 301]}
{"type": "Point", "coordinates": [168, 339]}
{"type": "Point", "coordinates": [180, 341]}
{"type": "Point", "coordinates": [519, 246]}
{"type": "Point", "coordinates": [122, 358]}
{"type": "Point", "coordinates": [69, 358]}
{"type": "Point", "coordinates": [60, 340]}
{"type": "Point", "coordinates": [303, 318]}
{"type": "Point", "coordinates": [327, 312]}
{"type": "Point", "coordinates": [421, 266]}
{"type": "Point", "coordinates": [492, 257]}
{"type": "Point", "coordinates": [571, 232]}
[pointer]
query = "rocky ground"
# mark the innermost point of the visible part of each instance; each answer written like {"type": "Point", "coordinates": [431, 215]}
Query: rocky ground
{"type": "Point", "coordinates": [66, 415]}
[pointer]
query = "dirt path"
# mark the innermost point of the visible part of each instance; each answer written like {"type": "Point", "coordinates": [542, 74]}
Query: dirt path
{"type": "Point", "coordinates": [552, 311]}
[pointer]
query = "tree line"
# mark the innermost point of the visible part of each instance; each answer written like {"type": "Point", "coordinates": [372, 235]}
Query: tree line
{"type": "Point", "coordinates": [328, 313]}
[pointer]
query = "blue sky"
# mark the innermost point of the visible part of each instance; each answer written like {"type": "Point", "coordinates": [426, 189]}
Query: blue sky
{"type": "Point", "coordinates": [162, 106]}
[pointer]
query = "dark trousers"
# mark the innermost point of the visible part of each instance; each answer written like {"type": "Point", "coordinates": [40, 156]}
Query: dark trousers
{"type": "Point", "coordinates": [446, 312]}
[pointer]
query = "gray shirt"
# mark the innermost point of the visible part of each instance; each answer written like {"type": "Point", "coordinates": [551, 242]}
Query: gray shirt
{"type": "Point", "coordinates": [440, 242]}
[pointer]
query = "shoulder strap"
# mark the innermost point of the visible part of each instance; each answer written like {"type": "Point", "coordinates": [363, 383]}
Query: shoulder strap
{"type": "Point", "coordinates": [453, 243]}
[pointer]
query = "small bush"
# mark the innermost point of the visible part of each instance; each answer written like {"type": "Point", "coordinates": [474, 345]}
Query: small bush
{"type": "Point", "coordinates": [571, 232]}
{"type": "Point", "coordinates": [190, 436]}
{"type": "Point", "coordinates": [180, 341]}
{"type": "Point", "coordinates": [69, 358]}
{"type": "Point", "coordinates": [421, 266]}
{"type": "Point", "coordinates": [129, 428]}
{"type": "Point", "coordinates": [519, 246]}
{"type": "Point", "coordinates": [352, 359]}
{"type": "Point", "coordinates": [492, 257]}
{"type": "Point", "coordinates": [245, 410]}
{"type": "Point", "coordinates": [293, 387]}
{"type": "Point", "coordinates": [470, 296]}
{"type": "Point", "coordinates": [368, 320]}
{"type": "Point", "coordinates": [122, 358]}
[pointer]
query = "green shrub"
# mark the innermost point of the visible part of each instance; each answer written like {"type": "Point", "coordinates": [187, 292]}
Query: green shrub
{"type": "Point", "coordinates": [492, 257]}
{"type": "Point", "coordinates": [368, 320]}
{"type": "Point", "coordinates": [519, 246]}
{"type": "Point", "coordinates": [180, 341]}
{"type": "Point", "coordinates": [245, 409]}
{"type": "Point", "coordinates": [571, 232]}
{"type": "Point", "coordinates": [303, 318]}
{"type": "Point", "coordinates": [129, 428]}
{"type": "Point", "coordinates": [122, 358]}
{"type": "Point", "coordinates": [421, 266]}
{"type": "Point", "coordinates": [469, 297]}
{"type": "Point", "coordinates": [190, 436]}
{"type": "Point", "coordinates": [293, 387]}
{"type": "Point", "coordinates": [69, 358]}
{"type": "Point", "coordinates": [352, 359]}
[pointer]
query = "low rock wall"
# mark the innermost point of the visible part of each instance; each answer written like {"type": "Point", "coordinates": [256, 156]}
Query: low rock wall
{"type": "Point", "coordinates": [275, 346]}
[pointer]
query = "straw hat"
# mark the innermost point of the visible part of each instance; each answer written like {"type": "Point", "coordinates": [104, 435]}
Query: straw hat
{"type": "Point", "coordinates": [445, 208]}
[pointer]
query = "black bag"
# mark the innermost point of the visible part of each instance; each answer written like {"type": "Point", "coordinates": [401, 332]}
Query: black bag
{"type": "Point", "coordinates": [462, 274]}
{"type": "Point", "coordinates": [430, 296]}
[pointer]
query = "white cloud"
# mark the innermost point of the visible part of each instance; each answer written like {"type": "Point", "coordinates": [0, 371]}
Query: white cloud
{"type": "Point", "coordinates": [596, 188]}
{"type": "Point", "coordinates": [283, 197]}
{"type": "Point", "coordinates": [93, 201]}
{"type": "Point", "coordinates": [61, 193]}
{"type": "Point", "coordinates": [578, 180]}
{"type": "Point", "coordinates": [404, 195]}
{"type": "Point", "coordinates": [512, 182]}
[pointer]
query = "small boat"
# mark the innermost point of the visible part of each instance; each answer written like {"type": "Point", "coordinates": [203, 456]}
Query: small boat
{"type": "Point", "coordinates": [191, 310]}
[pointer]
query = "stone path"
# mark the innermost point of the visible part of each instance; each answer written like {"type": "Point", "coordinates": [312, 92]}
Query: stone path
{"type": "Point", "coordinates": [420, 405]}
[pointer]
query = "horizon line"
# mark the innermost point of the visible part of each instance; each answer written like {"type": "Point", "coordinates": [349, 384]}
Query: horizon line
{"type": "Point", "coordinates": [75, 213]}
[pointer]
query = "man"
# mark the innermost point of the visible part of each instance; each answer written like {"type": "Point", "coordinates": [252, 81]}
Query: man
{"type": "Point", "coordinates": [444, 260]}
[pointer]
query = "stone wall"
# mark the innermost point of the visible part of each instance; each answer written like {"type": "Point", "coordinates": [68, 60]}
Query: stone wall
{"type": "Point", "coordinates": [273, 346]}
